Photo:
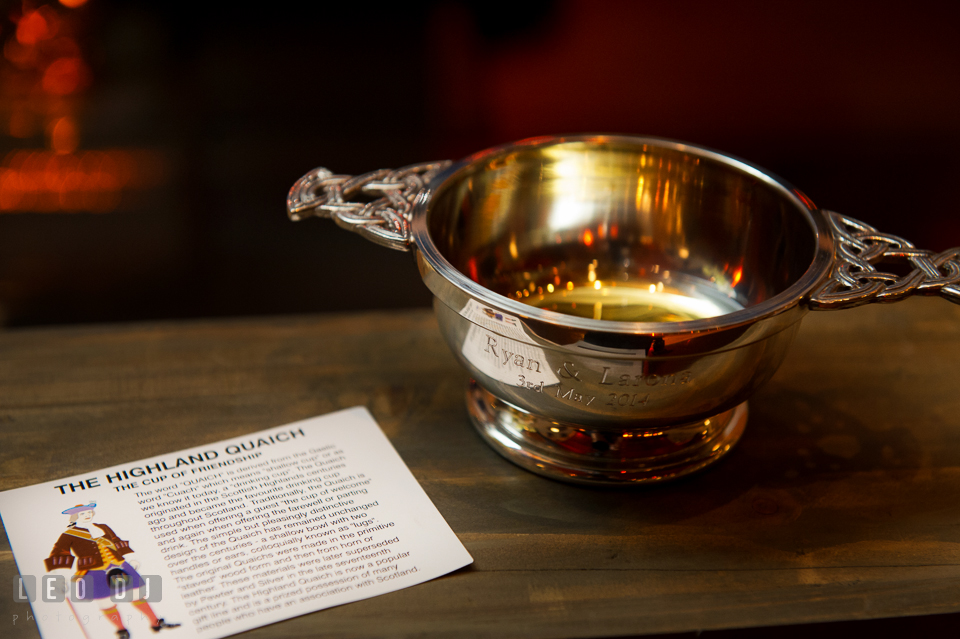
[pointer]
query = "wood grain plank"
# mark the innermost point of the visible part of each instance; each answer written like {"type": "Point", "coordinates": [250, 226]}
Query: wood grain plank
{"type": "Point", "coordinates": [842, 501]}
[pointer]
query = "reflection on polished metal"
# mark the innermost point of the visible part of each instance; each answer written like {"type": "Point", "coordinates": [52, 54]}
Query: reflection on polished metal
{"type": "Point", "coordinates": [597, 456]}
{"type": "Point", "coordinates": [616, 300]}
{"type": "Point", "coordinates": [385, 220]}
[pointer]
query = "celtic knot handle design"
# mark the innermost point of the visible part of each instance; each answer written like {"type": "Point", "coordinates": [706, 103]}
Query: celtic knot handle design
{"type": "Point", "coordinates": [855, 280]}
{"type": "Point", "coordinates": [384, 219]}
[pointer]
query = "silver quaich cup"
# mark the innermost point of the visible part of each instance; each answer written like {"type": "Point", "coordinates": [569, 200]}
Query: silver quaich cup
{"type": "Point", "coordinates": [616, 300]}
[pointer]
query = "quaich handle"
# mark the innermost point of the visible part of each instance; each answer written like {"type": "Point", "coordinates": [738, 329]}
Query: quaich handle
{"type": "Point", "coordinates": [377, 205]}
{"type": "Point", "coordinates": [855, 279]}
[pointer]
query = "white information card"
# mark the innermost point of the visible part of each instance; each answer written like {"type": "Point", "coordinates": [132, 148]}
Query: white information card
{"type": "Point", "coordinates": [226, 537]}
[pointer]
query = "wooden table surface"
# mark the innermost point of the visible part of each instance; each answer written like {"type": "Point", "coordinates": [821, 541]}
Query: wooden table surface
{"type": "Point", "coordinates": [842, 501]}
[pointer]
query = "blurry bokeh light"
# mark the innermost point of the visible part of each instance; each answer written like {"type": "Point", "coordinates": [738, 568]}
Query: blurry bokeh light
{"type": "Point", "coordinates": [88, 181]}
{"type": "Point", "coordinates": [64, 137]}
{"type": "Point", "coordinates": [44, 75]}
{"type": "Point", "coordinates": [64, 76]}
{"type": "Point", "coordinates": [37, 25]}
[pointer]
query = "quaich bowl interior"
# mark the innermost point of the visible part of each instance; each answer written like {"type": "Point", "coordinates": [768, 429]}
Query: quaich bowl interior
{"type": "Point", "coordinates": [535, 226]}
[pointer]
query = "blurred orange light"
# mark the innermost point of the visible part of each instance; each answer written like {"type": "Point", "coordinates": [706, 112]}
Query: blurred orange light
{"type": "Point", "coordinates": [64, 76]}
{"type": "Point", "coordinates": [20, 55]}
{"type": "Point", "coordinates": [64, 137]}
{"type": "Point", "coordinates": [62, 47]}
{"type": "Point", "coordinates": [588, 237]}
{"type": "Point", "coordinates": [9, 190]}
{"type": "Point", "coordinates": [33, 28]}
{"type": "Point", "coordinates": [73, 4]}
{"type": "Point", "coordinates": [89, 181]}
{"type": "Point", "coordinates": [737, 274]}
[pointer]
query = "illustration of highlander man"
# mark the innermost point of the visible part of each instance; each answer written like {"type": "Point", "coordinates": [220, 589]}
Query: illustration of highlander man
{"type": "Point", "coordinates": [102, 568]}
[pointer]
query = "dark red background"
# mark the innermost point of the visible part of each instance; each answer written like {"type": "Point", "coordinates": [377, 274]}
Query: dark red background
{"type": "Point", "coordinates": [854, 103]}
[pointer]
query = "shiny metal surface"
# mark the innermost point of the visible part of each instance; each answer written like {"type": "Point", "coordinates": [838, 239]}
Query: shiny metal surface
{"type": "Point", "coordinates": [384, 218]}
{"type": "Point", "coordinates": [609, 457]}
{"type": "Point", "coordinates": [855, 280]}
{"type": "Point", "coordinates": [631, 229]}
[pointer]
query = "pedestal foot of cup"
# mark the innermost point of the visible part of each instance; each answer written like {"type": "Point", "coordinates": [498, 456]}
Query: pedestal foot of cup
{"type": "Point", "coordinates": [597, 456]}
